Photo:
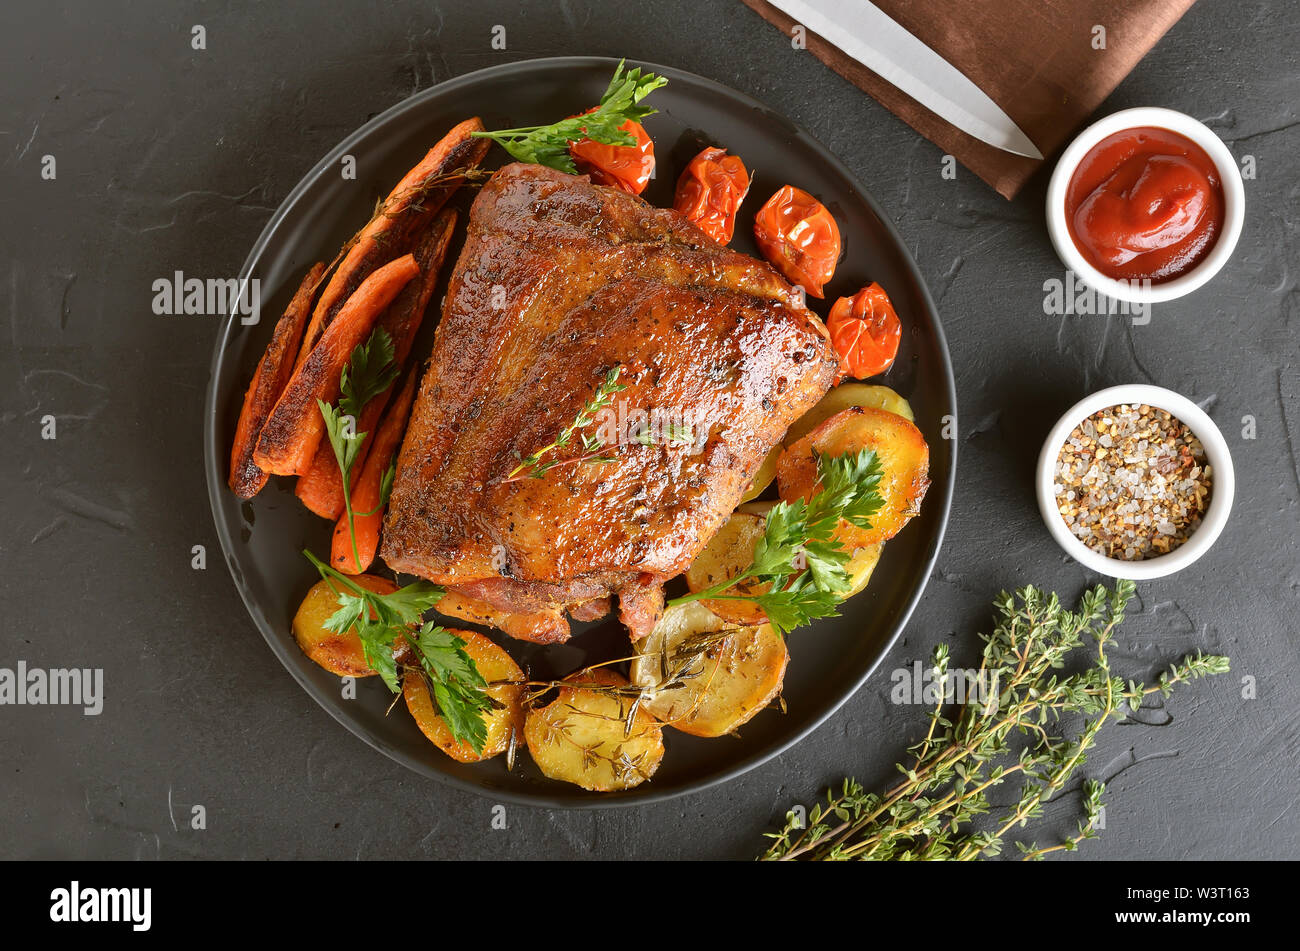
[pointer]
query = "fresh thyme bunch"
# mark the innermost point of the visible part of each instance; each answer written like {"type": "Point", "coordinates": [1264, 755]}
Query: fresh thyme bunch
{"type": "Point", "coordinates": [933, 812]}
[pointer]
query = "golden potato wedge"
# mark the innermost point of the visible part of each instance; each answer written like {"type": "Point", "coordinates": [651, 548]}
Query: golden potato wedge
{"type": "Point", "coordinates": [505, 686]}
{"type": "Point", "coordinates": [904, 459]}
{"type": "Point", "coordinates": [764, 476]}
{"type": "Point", "coordinates": [718, 689]}
{"type": "Point", "coordinates": [840, 399]}
{"type": "Point", "coordinates": [861, 566]}
{"type": "Point", "coordinates": [338, 653]}
{"type": "Point", "coordinates": [580, 737]}
{"type": "Point", "coordinates": [726, 555]}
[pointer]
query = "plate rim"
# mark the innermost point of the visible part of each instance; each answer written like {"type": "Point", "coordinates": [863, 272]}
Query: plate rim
{"type": "Point", "coordinates": [214, 457]}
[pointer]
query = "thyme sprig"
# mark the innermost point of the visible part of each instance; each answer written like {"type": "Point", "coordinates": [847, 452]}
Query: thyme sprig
{"type": "Point", "coordinates": [549, 144]}
{"type": "Point", "coordinates": [621, 765]}
{"type": "Point", "coordinates": [536, 465]}
{"type": "Point", "coordinates": [801, 564]}
{"type": "Point", "coordinates": [941, 809]}
{"type": "Point", "coordinates": [676, 667]}
{"type": "Point", "coordinates": [410, 198]}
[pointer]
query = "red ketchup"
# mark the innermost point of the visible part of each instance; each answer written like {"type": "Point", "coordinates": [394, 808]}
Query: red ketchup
{"type": "Point", "coordinates": [1145, 204]}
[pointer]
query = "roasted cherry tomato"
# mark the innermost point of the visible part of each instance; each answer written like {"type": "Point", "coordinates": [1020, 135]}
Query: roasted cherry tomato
{"type": "Point", "coordinates": [710, 192]}
{"type": "Point", "coordinates": [865, 331]}
{"type": "Point", "coordinates": [628, 167]}
{"type": "Point", "coordinates": [799, 237]}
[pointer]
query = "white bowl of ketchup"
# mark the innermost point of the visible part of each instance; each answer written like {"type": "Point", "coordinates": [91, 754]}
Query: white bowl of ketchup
{"type": "Point", "coordinates": [1145, 205]}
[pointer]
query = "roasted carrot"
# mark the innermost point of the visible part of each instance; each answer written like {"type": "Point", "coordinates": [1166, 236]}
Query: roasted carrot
{"type": "Point", "coordinates": [321, 487]}
{"type": "Point", "coordinates": [398, 221]}
{"type": "Point", "coordinates": [269, 380]}
{"type": "Point", "coordinates": [294, 429]}
{"type": "Point", "coordinates": [367, 509]}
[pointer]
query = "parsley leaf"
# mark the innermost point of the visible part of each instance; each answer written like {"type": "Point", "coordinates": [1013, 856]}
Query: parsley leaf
{"type": "Point", "coordinates": [549, 145]}
{"type": "Point", "coordinates": [340, 429]}
{"type": "Point", "coordinates": [381, 619]}
{"type": "Point", "coordinates": [798, 556]}
{"type": "Point", "coordinates": [371, 369]}
{"type": "Point", "coordinates": [385, 488]}
{"type": "Point", "coordinates": [458, 688]}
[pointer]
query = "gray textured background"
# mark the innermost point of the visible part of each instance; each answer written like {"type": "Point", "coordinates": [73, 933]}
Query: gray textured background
{"type": "Point", "coordinates": [174, 159]}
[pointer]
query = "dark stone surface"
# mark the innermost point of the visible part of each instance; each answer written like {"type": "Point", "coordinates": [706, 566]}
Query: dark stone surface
{"type": "Point", "coordinates": [171, 158]}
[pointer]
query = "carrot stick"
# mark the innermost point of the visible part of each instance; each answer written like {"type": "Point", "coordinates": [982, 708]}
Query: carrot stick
{"type": "Point", "coordinates": [367, 509]}
{"type": "Point", "coordinates": [294, 429]}
{"type": "Point", "coordinates": [321, 487]}
{"type": "Point", "coordinates": [391, 232]}
{"type": "Point", "coordinates": [269, 380]}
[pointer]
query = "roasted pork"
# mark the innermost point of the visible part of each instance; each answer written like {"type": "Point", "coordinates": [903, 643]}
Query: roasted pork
{"type": "Point", "coordinates": [561, 283]}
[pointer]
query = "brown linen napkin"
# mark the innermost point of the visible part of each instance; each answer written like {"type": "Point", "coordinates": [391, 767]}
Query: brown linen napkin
{"type": "Point", "coordinates": [1035, 58]}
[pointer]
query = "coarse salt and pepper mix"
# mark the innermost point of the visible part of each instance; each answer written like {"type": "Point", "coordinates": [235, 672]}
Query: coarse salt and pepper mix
{"type": "Point", "coordinates": [1132, 482]}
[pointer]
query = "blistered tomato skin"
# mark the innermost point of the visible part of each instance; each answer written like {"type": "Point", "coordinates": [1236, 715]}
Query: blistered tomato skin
{"type": "Point", "coordinates": [865, 331]}
{"type": "Point", "coordinates": [799, 238]}
{"type": "Point", "coordinates": [710, 191]}
{"type": "Point", "coordinates": [629, 167]}
{"type": "Point", "coordinates": [1145, 204]}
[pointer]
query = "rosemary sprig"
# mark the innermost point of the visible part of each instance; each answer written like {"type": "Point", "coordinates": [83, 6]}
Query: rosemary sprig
{"type": "Point", "coordinates": [939, 809]}
{"type": "Point", "coordinates": [535, 465]}
{"type": "Point", "coordinates": [798, 558]}
{"type": "Point", "coordinates": [622, 766]}
{"type": "Point", "coordinates": [382, 621]}
{"type": "Point", "coordinates": [676, 667]}
{"type": "Point", "coordinates": [549, 144]}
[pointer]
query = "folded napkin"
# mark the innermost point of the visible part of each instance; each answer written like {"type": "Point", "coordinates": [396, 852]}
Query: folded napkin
{"type": "Point", "coordinates": [1042, 61]}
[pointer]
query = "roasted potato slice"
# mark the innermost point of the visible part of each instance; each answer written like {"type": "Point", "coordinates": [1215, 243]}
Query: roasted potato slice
{"type": "Point", "coordinates": [764, 476]}
{"type": "Point", "coordinates": [718, 687]}
{"type": "Point", "coordinates": [505, 686]}
{"type": "Point", "coordinates": [726, 555]}
{"type": "Point", "coordinates": [338, 653]}
{"type": "Point", "coordinates": [840, 399]}
{"type": "Point", "coordinates": [861, 566]}
{"type": "Point", "coordinates": [904, 459]}
{"type": "Point", "coordinates": [581, 736]}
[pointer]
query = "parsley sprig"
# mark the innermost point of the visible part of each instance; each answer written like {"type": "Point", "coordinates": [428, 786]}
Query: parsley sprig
{"type": "Point", "coordinates": [549, 144]}
{"type": "Point", "coordinates": [383, 621]}
{"type": "Point", "coordinates": [457, 686]}
{"type": "Point", "coordinates": [370, 370]}
{"type": "Point", "coordinates": [798, 558]}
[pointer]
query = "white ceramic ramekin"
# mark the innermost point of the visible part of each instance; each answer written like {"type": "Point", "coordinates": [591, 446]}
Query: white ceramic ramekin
{"type": "Point", "coordinates": [1234, 207]}
{"type": "Point", "coordinates": [1222, 481]}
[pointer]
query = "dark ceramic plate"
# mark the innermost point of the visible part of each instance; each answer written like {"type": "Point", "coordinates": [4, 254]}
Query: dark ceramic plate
{"type": "Point", "coordinates": [263, 539]}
